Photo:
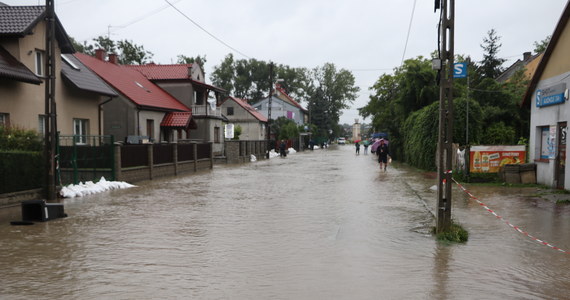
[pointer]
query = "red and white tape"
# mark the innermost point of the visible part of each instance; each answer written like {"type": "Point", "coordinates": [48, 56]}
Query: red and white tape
{"type": "Point", "coordinates": [517, 228]}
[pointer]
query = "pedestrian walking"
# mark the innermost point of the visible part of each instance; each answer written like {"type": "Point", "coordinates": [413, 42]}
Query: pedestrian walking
{"type": "Point", "coordinates": [282, 149]}
{"type": "Point", "coordinates": [366, 147]}
{"type": "Point", "coordinates": [357, 145]}
{"type": "Point", "coordinates": [383, 153]}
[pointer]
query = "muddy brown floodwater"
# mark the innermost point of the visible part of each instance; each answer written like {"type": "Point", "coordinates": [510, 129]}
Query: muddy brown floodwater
{"type": "Point", "coordinates": [326, 224]}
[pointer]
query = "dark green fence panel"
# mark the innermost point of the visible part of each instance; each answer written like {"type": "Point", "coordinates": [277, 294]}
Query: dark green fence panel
{"type": "Point", "coordinates": [85, 158]}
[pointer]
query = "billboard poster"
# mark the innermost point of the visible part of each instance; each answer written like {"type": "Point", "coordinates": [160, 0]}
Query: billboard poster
{"type": "Point", "coordinates": [488, 159]}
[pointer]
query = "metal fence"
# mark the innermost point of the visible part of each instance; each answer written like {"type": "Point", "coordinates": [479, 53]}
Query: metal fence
{"type": "Point", "coordinates": [85, 158]}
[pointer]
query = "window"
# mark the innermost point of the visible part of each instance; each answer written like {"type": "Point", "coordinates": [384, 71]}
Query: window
{"type": "Point", "coordinates": [4, 119]}
{"type": "Point", "coordinates": [230, 111]}
{"type": "Point", "coordinates": [39, 63]}
{"type": "Point", "coordinates": [216, 134]}
{"type": "Point", "coordinates": [42, 125]}
{"type": "Point", "coordinates": [69, 62]}
{"type": "Point", "coordinates": [80, 130]}
{"type": "Point", "coordinates": [150, 128]}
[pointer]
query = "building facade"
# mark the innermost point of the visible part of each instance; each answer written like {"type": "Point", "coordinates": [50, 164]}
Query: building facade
{"type": "Point", "coordinates": [550, 110]}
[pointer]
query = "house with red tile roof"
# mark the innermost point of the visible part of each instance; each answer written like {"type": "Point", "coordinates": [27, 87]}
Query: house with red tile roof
{"type": "Point", "coordinates": [142, 108]}
{"type": "Point", "coordinates": [282, 105]}
{"type": "Point", "coordinates": [186, 83]}
{"type": "Point", "coordinates": [240, 113]}
{"type": "Point", "coordinates": [78, 92]}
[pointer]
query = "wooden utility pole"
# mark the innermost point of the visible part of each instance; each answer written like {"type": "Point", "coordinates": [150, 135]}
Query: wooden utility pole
{"type": "Point", "coordinates": [50, 110]}
{"type": "Point", "coordinates": [445, 140]}
{"type": "Point", "coordinates": [269, 108]}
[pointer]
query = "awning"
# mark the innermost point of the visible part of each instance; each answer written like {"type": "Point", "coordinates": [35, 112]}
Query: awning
{"type": "Point", "coordinates": [13, 69]}
{"type": "Point", "coordinates": [179, 120]}
{"type": "Point", "coordinates": [209, 87]}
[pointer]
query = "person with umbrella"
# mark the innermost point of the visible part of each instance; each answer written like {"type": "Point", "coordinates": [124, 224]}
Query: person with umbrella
{"type": "Point", "coordinates": [357, 145]}
{"type": "Point", "coordinates": [382, 152]}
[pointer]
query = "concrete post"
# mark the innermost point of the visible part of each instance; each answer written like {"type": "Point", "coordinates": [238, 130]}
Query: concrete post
{"type": "Point", "coordinates": [150, 152]}
{"type": "Point", "coordinates": [195, 146]}
{"type": "Point", "coordinates": [175, 157]}
{"type": "Point", "coordinates": [117, 166]}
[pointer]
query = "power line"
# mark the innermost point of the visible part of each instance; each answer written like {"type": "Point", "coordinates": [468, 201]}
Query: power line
{"type": "Point", "coordinates": [409, 30]}
{"type": "Point", "coordinates": [202, 28]}
{"type": "Point", "coordinates": [133, 21]}
{"type": "Point", "coordinates": [145, 16]}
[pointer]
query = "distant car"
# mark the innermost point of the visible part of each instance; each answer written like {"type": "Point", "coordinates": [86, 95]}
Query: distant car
{"type": "Point", "coordinates": [341, 141]}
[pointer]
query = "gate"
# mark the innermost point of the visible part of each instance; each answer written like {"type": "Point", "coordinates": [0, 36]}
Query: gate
{"type": "Point", "coordinates": [85, 158]}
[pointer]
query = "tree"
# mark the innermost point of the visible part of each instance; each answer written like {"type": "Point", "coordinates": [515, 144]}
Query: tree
{"type": "Point", "coordinates": [131, 53]}
{"type": "Point", "coordinates": [237, 132]}
{"type": "Point", "coordinates": [200, 60]}
{"type": "Point", "coordinates": [249, 78]}
{"type": "Point", "coordinates": [336, 88]}
{"type": "Point", "coordinates": [223, 74]}
{"type": "Point", "coordinates": [491, 66]}
{"type": "Point", "coordinates": [394, 97]}
{"type": "Point", "coordinates": [540, 47]}
{"type": "Point", "coordinates": [128, 52]}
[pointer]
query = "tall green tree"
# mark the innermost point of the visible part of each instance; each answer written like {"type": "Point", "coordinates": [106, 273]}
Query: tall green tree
{"type": "Point", "coordinates": [224, 74]}
{"type": "Point", "coordinates": [330, 90]}
{"type": "Point", "coordinates": [491, 66]}
{"type": "Point", "coordinates": [249, 78]}
{"type": "Point", "coordinates": [394, 97]}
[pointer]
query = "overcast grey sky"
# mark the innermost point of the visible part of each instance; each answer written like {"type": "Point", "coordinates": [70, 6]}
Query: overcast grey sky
{"type": "Point", "coordinates": [367, 37]}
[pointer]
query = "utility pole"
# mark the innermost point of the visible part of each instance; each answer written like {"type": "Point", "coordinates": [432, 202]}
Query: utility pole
{"type": "Point", "coordinates": [269, 108]}
{"type": "Point", "coordinates": [445, 140]}
{"type": "Point", "coordinates": [50, 110]}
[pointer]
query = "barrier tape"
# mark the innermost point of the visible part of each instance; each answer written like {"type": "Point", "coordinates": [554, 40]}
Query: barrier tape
{"type": "Point", "coordinates": [517, 228]}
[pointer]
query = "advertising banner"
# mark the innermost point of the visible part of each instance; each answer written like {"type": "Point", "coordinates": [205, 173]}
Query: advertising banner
{"type": "Point", "coordinates": [488, 159]}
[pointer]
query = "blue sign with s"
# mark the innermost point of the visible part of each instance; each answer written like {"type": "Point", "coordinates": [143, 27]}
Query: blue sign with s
{"type": "Point", "coordinates": [460, 70]}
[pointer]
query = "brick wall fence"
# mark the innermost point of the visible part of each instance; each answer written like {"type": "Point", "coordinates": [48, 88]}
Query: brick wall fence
{"type": "Point", "coordinates": [241, 151]}
{"type": "Point", "coordinates": [145, 162]}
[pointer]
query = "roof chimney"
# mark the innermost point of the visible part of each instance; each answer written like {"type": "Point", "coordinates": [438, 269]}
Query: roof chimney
{"type": "Point", "coordinates": [190, 72]}
{"type": "Point", "coordinates": [113, 58]}
{"type": "Point", "coordinates": [100, 54]}
{"type": "Point", "coordinates": [526, 55]}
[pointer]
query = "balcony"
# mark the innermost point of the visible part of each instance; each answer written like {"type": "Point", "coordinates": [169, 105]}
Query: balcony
{"type": "Point", "coordinates": [205, 111]}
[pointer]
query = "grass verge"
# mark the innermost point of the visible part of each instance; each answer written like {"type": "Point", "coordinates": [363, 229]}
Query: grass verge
{"type": "Point", "coordinates": [456, 234]}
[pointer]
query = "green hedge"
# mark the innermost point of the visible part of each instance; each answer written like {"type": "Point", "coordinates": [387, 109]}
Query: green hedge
{"type": "Point", "coordinates": [20, 171]}
{"type": "Point", "coordinates": [421, 130]}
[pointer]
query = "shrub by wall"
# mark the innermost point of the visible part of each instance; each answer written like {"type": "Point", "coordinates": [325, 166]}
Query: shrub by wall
{"type": "Point", "coordinates": [20, 170]}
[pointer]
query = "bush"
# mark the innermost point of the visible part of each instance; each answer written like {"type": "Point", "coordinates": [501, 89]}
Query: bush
{"type": "Point", "coordinates": [499, 134]}
{"type": "Point", "coordinates": [20, 170]}
{"type": "Point", "coordinates": [456, 234]}
{"type": "Point", "coordinates": [14, 138]}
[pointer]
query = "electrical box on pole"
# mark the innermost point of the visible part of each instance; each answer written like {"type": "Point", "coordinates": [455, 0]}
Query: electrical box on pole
{"type": "Point", "coordinates": [445, 139]}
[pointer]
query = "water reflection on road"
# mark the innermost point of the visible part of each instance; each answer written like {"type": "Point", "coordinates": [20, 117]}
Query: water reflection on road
{"type": "Point", "coordinates": [325, 224]}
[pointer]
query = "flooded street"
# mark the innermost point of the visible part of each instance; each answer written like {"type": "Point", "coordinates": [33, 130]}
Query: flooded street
{"type": "Point", "coordinates": [325, 224]}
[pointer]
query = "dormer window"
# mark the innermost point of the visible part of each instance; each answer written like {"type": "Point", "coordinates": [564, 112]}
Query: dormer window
{"type": "Point", "coordinates": [39, 63]}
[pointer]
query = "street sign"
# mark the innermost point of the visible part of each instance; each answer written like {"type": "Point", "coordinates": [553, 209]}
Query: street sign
{"type": "Point", "coordinates": [460, 70]}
